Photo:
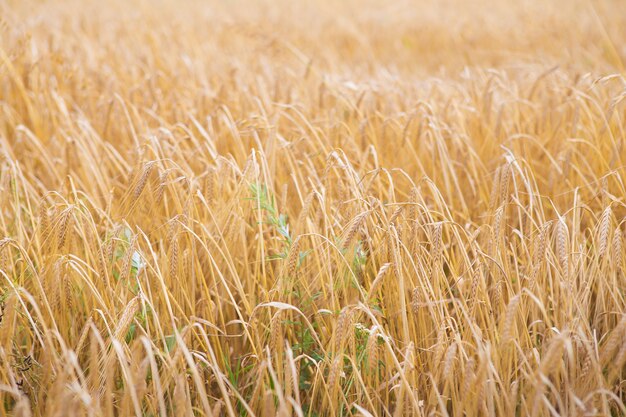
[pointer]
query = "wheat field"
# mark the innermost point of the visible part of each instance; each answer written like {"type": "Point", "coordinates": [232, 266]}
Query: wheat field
{"type": "Point", "coordinates": [312, 208]}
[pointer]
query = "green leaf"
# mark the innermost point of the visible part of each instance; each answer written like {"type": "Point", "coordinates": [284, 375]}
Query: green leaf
{"type": "Point", "coordinates": [170, 342]}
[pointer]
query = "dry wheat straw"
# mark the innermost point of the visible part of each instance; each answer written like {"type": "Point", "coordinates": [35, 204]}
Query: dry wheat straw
{"type": "Point", "coordinates": [443, 168]}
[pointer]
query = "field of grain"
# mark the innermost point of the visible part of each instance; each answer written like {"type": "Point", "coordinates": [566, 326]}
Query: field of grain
{"type": "Point", "coordinates": [312, 208]}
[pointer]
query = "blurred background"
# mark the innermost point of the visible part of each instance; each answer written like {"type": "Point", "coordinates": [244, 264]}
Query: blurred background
{"type": "Point", "coordinates": [371, 35]}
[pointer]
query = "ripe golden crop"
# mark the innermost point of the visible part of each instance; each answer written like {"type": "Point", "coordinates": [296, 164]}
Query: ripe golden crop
{"type": "Point", "coordinates": [312, 208]}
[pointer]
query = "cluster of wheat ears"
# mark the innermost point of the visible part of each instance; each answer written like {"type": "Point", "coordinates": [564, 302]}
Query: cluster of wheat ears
{"type": "Point", "coordinates": [312, 208]}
